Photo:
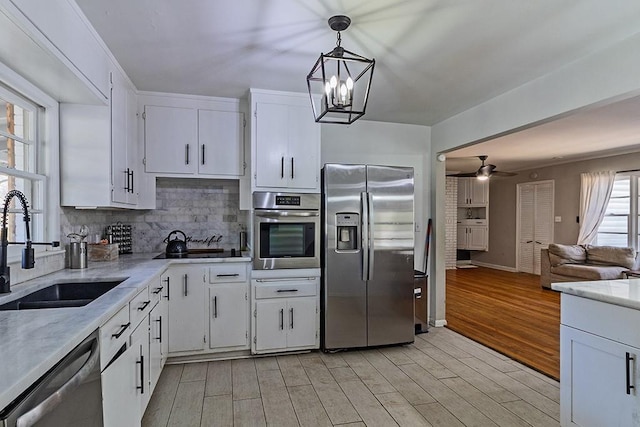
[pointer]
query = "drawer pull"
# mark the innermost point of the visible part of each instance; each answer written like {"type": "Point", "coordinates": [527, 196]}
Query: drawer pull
{"type": "Point", "coordinates": [282, 319]}
{"type": "Point", "coordinates": [144, 305]}
{"type": "Point", "coordinates": [158, 290]}
{"type": "Point", "coordinates": [286, 290]}
{"type": "Point", "coordinates": [215, 307]}
{"type": "Point", "coordinates": [122, 329]}
{"type": "Point", "coordinates": [228, 275]}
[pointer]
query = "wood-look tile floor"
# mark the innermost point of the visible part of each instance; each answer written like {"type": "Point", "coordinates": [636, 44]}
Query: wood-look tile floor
{"type": "Point", "coordinates": [443, 379]}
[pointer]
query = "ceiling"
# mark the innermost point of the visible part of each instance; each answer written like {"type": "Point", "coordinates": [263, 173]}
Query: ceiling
{"type": "Point", "coordinates": [434, 58]}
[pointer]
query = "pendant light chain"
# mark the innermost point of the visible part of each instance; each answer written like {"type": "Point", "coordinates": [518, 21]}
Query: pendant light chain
{"type": "Point", "coordinates": [339, 41]}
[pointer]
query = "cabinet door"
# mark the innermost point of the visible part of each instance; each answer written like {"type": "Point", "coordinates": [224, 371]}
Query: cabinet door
{"type": "Point", "coordinates": [221, 142]}
{"type": "Point", "coordinates": [186, 308]}
{"type": "Point", "coordinates": [131, 127]}
{"type": "Point", "coordinates": [301, 164]}
{"type": "Point", "coordinates": [593, 378]}
{"type": "Point", "coordinates": [119, 168]}
{"type": "Point", "coordinates": [140, 345]}
{"type": "Point", "coordinates": [478, 191]}
{"type": "Point", "coordinates": [462, 237]}
{"type": "Point", "coordinates": [119, 400]}
{"type": "Point", "coordinates": [270, 330]}
{"type": "Point", "coordinates": [302, 322]}
{"type": "Point", "coordinates": [155, 345]}
{"type": "Point", "coordinates": [272, 133]}
{"type": "Point", "coordinates": [228, 315]}
{"type": "Point", "coordinates": [477, 239]}
{"type": "Point", "coordinates": [463, 191]}
{"type": "Point", "coordinates": [170, 139]}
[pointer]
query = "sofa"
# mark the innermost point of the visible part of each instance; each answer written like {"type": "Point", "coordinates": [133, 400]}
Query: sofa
{"type": "Point", "coordinates": [580, 263]}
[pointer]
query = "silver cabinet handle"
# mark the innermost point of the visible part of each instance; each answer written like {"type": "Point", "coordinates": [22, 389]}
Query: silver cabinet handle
{"type": "Point", "coordinates": [282, 167]}
{"type": "Point", "coordinates": [126, 174]}
{"type": "Point", "coordinates": [185, 280]}
{"type": "Point", "coordinates": [228, 275]}
{"type": "Point", "coordinates": [292, 168]}
{"type": "Point", "coordinates": [215, 307]}
{"type": "Point", "coordinates": [144, 305]}
{"type": "Point", "coordinates": [282, 319]}
{"type": "Point", "coordinates": [156, 291]}
{"type": "Point", "coordinates": [286, 290]}
{"type": "Point", "coordinates": [203, 154]}
{"type": "Point", "coordinates": [291, 316]}
{"type": "Point", "coordinates": [131, 181]}
{"type": "Point", "coordinates": [186, 154]}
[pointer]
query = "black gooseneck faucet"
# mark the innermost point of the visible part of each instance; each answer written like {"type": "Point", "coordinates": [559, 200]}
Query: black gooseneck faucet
{"type": "Point", "coordinates": [28, 258]}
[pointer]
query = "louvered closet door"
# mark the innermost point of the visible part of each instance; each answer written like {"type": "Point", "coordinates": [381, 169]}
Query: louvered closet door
{"type": "Point", "coordinates": [543, 226]}
{"type": "Point", "coordinates": [535, 215]}
{"type": "Point", "coordinates": [526, 212]}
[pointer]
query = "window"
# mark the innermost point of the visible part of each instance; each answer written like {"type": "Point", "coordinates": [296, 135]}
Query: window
{"type": "Point", "coordinates": [618, 228]}
{"type": "Point", "coordinates": [19, 162]}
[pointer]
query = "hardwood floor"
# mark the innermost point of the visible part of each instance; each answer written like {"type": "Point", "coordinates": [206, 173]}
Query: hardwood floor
{"type": "Point", "coordinates": [508, 312]}
{"type": "Point", "coordinates": [443, 379]}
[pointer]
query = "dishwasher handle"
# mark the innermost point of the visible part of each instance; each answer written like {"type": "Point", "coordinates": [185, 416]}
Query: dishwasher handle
{"type": "Point", "coordinates": [47, 405]}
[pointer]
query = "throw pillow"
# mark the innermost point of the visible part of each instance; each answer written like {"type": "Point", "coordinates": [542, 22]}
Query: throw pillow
{"type": "Point", "coordinates": [611, 255]}
{"type": "Point", "coordinates": [567, 254]}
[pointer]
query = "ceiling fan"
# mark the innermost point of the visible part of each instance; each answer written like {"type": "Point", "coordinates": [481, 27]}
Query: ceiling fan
{"type": "Point", "coordinates": [485, 171]}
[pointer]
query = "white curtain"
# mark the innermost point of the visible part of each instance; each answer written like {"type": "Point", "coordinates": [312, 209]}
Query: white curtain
{"type": "Point", "coordinates": [595, 191]}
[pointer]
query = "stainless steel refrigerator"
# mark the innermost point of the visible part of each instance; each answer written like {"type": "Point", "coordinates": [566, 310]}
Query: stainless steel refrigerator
{"type": "Point", "coordinates": [367, 263]}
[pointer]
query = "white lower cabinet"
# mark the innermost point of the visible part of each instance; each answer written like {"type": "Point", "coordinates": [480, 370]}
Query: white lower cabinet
{"type": "Point", "coordinates": [140, 346]}
{"type": "Point", "coordinates": [473, 238]}
{"type": "Point", "coordinates": [603, 381]}
{"type": "Point", "coordinates": [285, 314]}
{"type": "Point", "coordinates": [228, 316]}
{"type": "Point", "coordinates": [157, 342]}
{"type": "Point", "coordinates": [185, 287]}
{"type": "Point", "coordinates": [599, 375]}
{"type": "Point", "coordinates": [119, 381]}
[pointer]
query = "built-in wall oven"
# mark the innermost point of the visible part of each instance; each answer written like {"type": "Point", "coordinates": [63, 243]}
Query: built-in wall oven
{"type": "Point", "coordinates": [286, 230]}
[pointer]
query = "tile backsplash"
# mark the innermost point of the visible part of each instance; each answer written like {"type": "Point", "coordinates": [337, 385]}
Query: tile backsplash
{"type": "Point", "coordinates": [207, 211]}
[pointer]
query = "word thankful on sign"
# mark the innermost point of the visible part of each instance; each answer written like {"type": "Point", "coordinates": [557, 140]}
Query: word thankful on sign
{"type": "Point", "coordinates": [209, 241]}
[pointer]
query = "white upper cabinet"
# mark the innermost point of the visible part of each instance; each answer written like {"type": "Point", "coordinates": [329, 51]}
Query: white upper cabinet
{"type": "Point", "coordinates": [171, 139]}
{"type": "Point", "coordinates": [220, 137]}
{"type": "Point", "coordinates": [99, 166]}
{"type": "Point", "coordinates": [285, 142]}
{"type": "Point", "coordinates": [66, 33]}
{"type": "Point", "coordinates": [190, 136]}
{"type": "Point", "coordinates": [473, 192]}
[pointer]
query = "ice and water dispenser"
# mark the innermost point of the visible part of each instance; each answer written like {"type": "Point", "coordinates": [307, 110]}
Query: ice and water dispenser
{"type": "Point", "coordinates": [347, 225]}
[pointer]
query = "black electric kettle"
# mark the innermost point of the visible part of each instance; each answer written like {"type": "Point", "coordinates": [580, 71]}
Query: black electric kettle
{"type": "Point", "coordinates": [176, 247]}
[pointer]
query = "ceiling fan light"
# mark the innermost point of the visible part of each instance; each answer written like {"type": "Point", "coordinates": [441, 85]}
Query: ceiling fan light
{"type": "Point", "coordinates": [484, 172]}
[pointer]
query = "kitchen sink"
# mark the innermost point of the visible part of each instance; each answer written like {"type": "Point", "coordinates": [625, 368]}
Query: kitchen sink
{"type": "Point", "coordinates": [69, 294]}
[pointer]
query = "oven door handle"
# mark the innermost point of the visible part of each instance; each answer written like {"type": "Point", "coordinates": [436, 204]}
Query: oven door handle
{"type": "Point", "coordinates": [34, 415]}
{"type": "Point", "coordinates": [281, 214]}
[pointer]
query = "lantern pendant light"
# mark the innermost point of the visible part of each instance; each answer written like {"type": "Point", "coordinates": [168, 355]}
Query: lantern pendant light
{"type": "Point", "coordinates": [340, 81]}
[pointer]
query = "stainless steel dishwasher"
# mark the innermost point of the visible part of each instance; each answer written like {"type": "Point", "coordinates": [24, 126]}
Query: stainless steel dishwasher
{"type": "Point", "coordinates": [68, 395]}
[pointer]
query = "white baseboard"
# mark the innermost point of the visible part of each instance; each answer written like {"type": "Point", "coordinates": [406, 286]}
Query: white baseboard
{"type": "Point", "coordinates": [438, 323]}
{"type": "Point", "coordinates": [495, 266]}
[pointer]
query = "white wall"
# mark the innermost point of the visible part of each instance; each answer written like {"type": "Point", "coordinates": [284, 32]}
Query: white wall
{"type": "Point", "coordinates": [391, 144]}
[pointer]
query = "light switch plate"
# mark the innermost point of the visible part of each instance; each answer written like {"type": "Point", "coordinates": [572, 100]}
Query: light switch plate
{"type": "Point", "coordinates": [558, 219]}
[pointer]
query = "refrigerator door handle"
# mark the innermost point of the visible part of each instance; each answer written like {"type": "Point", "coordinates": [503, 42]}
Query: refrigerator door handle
{"type": "Point", "coordinates": [371, 245]}
{"type": "Point", "coordinates": [364, 201]}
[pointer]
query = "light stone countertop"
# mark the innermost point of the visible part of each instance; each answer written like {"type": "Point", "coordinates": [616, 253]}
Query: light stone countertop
{"type": "Point", "coordinates": [622, 292]}
{"type": "Point", "coordinates": [33, 341]}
